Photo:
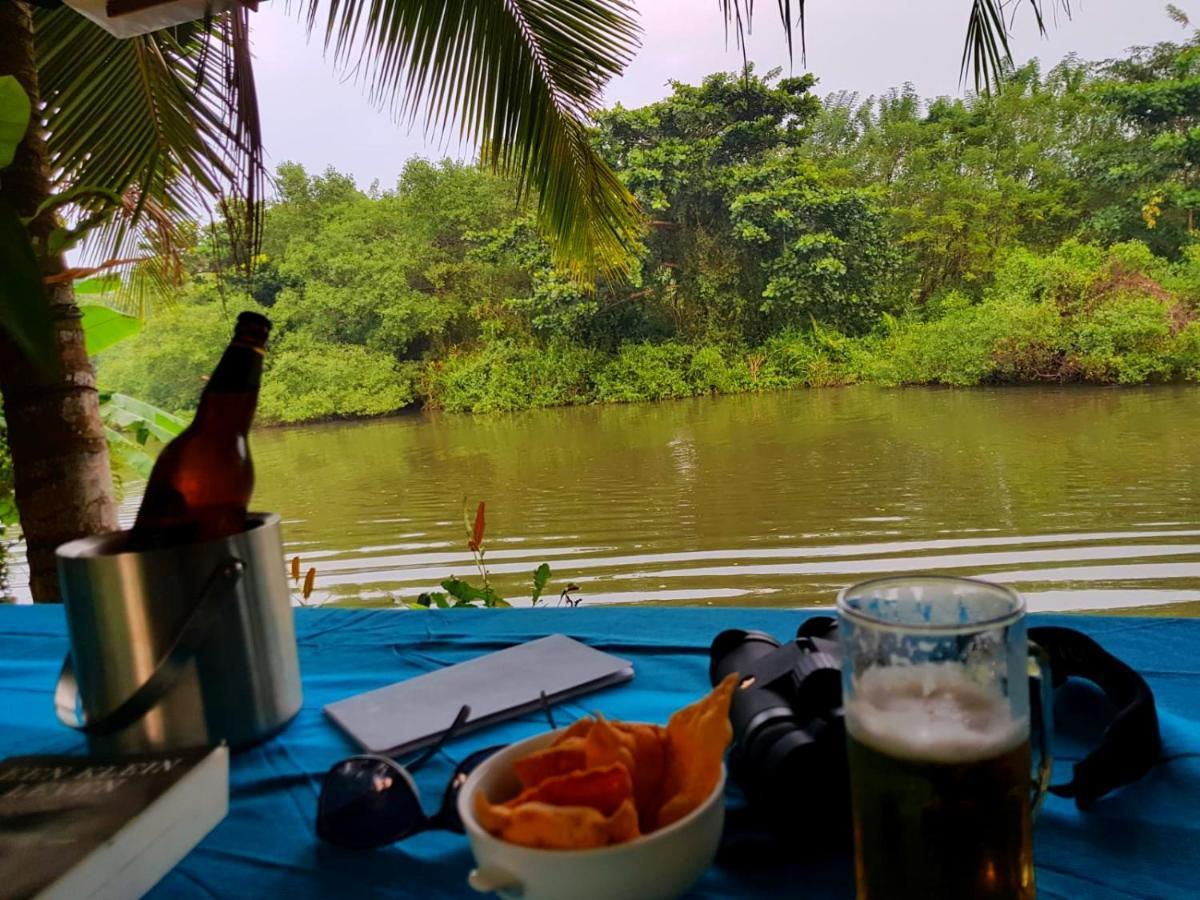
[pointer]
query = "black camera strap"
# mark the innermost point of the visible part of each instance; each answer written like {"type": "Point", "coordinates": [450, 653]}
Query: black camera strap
{"type": "Point", "coordinates": [1131, 744]}
{"type": "Point", "coordinates": [802, 678]}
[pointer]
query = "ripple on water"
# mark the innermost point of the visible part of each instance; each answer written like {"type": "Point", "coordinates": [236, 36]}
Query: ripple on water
{"type": "Point", "coordinates": [1080, 498]}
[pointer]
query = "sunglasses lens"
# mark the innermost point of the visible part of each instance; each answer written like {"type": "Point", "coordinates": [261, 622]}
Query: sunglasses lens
{"type": "Point", "coordinates": [367, 802]}
{"type": "Point", "coordinates": [448, 815]}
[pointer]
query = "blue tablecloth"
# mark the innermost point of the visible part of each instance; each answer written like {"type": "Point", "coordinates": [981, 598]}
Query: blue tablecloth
{"type": "Point", "coordinates": [1142, 842]}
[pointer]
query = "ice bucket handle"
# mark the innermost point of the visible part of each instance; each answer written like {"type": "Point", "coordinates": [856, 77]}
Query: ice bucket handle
{"type": "Point", "coordinates": [217, 589]}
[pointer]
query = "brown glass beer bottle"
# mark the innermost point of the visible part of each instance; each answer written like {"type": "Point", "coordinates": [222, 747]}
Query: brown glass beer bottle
{"type": "Point", "coordinates": [201, 483]}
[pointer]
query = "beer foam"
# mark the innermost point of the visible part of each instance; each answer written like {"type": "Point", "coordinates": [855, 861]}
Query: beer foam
{"type": "Point", "coordinates": [931, 712]}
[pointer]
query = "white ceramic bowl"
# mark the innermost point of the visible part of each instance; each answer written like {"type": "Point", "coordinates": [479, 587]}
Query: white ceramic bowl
{"type": "Point", "coordinates": [657, 866]}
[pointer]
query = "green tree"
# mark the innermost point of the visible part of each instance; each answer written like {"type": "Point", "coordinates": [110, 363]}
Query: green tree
{"type": "Point", "coordinates": [308, 380]}
{"type": "Point", "coordinates": [824, 252]}
{"type": "Point", "coordinates": [747, 236]}
{"type": "Point", "coordinates": [539, 300]}
{"type": "Point", "coordinates": [1155, 92]}
{"type": "Point", "coordinates": [965, 179]}
{"type": "Point", "coordinates": [391, 272]}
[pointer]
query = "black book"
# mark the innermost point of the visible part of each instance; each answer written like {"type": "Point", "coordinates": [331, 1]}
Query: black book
{"type": "Point", "coordinates": [86, 827]}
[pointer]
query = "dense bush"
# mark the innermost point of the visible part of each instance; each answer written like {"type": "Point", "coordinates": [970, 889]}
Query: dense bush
{"type": "Point", "coordinates": [507, 376]}
{"type": "Point", "coordinates": [1081, 313]}
{"type": "Point", "coordinates": [1127, 340]}
{"type": "Point", "coordinates": [1116, 315]}
{"type": "Point", "coordinates": [710, 372]}
{"type": "Point", "coordinates": [966, 345]}
{"type": "Point", "coordinates": [814, 357]}
{"type": "Point", "coordinates": [308, 380]}
{"type": "Point", "coordinates": [668, 371]}
{"type": "Point", "coordinates": [645, 372]}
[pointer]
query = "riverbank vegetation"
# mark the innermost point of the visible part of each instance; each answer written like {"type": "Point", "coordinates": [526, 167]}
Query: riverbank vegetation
{"type": "Point", "coordinates": [1045, 232]}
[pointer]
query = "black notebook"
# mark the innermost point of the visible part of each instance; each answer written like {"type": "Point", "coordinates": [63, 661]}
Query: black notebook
{"type": "Point", "coordinates": [74, 827]}
{"type": "Point", "coordinates": [411, 714]}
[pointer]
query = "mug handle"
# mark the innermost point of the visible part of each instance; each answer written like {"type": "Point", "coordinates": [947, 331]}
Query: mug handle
{"type": "Point", "coordinates": [492, 879]}
{"type": "Point", "coordinates": [191, 635]}
{"type": "Point", "coordinates": [1041, 702]}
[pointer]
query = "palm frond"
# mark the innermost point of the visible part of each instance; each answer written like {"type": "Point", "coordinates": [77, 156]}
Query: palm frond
{"type": "Point", "coordinates": [986, 52]}
{"type": "Point", "coordinates": [522, 77]}
{"type": "Point", "coordinates": [166, 123]}
{"type": "Point", "coordinates": [742, 18]}
{"type": "Point", "coordinates": [986, 49]}
{"type": "Point", "coordinates": [739, 13]}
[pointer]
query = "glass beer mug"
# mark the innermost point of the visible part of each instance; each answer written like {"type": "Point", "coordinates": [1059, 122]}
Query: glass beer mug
{"type": "Point", "coordinates": [935, 675]}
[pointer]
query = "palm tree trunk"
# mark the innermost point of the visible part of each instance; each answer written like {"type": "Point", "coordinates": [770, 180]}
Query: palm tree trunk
{"type": "Point", "coordinates": [62, 482]}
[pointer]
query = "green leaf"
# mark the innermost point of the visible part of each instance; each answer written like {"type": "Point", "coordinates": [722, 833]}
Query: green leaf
{"type": "Point", "coordinates": [14, 117]}
{"type": "Point", "coordinates": [129, 424]}
{"type": "Point", "coordinates": [468, 595]}
{"type": "Point", "coordinates": [541, 576]}
{"type": "Point", "coordinates": [100, 284]}
{"type": "Point", "coordinates": [464, 591]}
{"type": "Point", "coordinates": [8, 513]}
{"type": "Point", "coordinates": [123, 411]}
{"type": "Point", "coordinates": [58, 241]}
{"type": "Point", "coordinates": [103, 327]}
{"type": "Point", "coordinates": [24, 312]}
{"type": "Point", "coordinates": [128, 454]}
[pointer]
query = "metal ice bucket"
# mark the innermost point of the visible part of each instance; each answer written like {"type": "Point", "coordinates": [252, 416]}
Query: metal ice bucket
{"type": "Point", "coordinates": [181, 646]}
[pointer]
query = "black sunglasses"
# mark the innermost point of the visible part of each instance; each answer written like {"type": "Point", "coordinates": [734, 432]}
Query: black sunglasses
{"type": "Point", "coordinates": [370, 801]}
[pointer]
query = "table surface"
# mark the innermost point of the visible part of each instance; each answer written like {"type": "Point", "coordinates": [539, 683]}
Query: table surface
{"type": "Point", "coordinates": [1143, 841]}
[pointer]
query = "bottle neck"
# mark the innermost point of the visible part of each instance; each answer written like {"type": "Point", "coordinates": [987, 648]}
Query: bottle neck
{"type": "Point", "coordinates": [231, 395]}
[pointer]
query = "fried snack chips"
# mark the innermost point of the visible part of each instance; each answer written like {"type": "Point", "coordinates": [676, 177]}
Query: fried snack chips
{"type": "Point", "coordinates": [693, 768]}
{"type": "Point", "coordinates": [606, 782]}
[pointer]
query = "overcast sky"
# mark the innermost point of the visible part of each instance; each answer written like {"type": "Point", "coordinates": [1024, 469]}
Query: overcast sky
{"type": "Point", "coordinates": [312, 117]}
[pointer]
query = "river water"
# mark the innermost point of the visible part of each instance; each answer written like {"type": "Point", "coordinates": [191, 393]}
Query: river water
{"type": "Point", "coordinates": [1080, 497]}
